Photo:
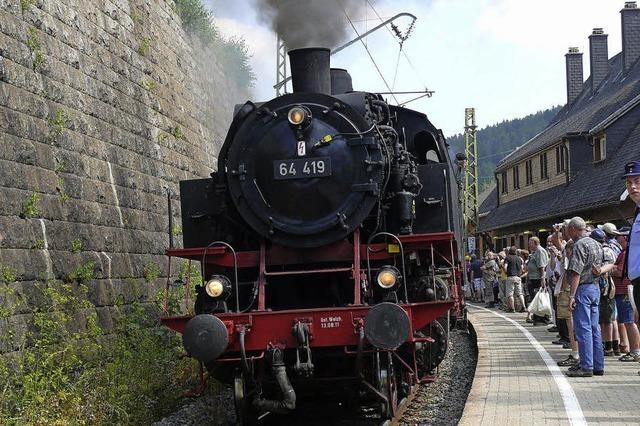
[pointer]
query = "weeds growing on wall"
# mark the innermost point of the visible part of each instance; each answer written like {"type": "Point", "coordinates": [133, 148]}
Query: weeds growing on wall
{"type": "Point", "coordinates": [31, 207]}
{"type": "Point", "coordinates": [68, 373]}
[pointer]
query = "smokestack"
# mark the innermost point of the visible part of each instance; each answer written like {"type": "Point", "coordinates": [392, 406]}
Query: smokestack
{"type": "Point", "coordinates": [340, 81]}
{"type": "Point", "coordinates": [574, 74]}
{"type": "Point", "coordinates": [598, 57]}
{"type": "Point", "coordinates": [310, 70]}
{"type": "Point", "coordinates": [630, 16]}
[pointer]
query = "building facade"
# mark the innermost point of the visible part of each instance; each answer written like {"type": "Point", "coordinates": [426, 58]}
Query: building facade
{"type": "Point", "coordinates": [573, 167]}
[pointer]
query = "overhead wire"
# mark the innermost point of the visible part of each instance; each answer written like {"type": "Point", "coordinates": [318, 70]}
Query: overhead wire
{"type": "Point", "coordinates": [366, 48]}
{"type": "Point", "coordinates": [404, 53]}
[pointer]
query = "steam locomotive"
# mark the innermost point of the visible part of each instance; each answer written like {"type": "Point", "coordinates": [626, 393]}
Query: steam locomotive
{"type": "Point", "coordinates": [327, 239]}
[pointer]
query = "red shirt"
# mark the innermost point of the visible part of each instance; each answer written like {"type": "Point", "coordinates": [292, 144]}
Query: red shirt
{"type": "Point", "coordinates": [621, 284]}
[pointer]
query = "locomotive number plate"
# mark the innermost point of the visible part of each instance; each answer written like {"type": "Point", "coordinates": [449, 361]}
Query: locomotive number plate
{"type": "Point", "coordinates": [302, 168]}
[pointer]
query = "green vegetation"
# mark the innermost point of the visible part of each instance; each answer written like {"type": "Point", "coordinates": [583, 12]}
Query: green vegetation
{"type": "Point", "coordinates": [76, 245]}
{"type": "Point", "coordinates": [197, 19]}
{"type": "Point", "coordinates": [8, 274]}
{"type": "Point", "coordinates": [35, 46]}
{"type": "Point", "coordinates": [150, 85]}
{"type": "Point", "coordinates": [31, 207]}
{"type": "Point", "coordinates": [58, 124]}
{"type": "Point", "coordinates": [60, 167]}
{"type": "Point", "coordinates": [38, 245]}
{"type": "Point", "coordinates": [151, 272]}
{"type": "Point", "coordinates": [67, 374]}
{"type": "Point", "coordinates": [498, 140]}
{"type": "Point", "coordinates": [176, 296]}
{"type": "Point", "coordinates": [64, 197]}
{"type": "Point", "coordinates": [232, 52]}
{"type": "Point", "coordinates": [177, 230]}
{"type": "Point", "coordinates": [145, 46]}
{"type": "Point", "coordinates": [82, 273]}
{"type": "Point", "coordinates": [27, 4]}
{"type": "Point", "coordinates": [178, 133]}
{"type": "Point", "coordinates": [235, 57]}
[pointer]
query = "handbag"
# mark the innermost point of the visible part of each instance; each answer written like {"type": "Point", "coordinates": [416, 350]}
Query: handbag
{"type": "Point", "coordinates": [541, 303]}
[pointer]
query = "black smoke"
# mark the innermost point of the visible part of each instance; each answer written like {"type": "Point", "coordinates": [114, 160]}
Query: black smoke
{"type": "Point", "coordinates": [310, 23]}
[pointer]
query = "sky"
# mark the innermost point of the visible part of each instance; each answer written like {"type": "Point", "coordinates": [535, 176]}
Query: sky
{"type": "Point", "coordinates": [505, 58]}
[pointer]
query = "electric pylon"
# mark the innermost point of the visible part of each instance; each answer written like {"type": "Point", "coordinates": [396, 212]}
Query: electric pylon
{"type": "Point", "coordinates": [281, 67]}
{"type": "Point", "coordinates": [470, 192]}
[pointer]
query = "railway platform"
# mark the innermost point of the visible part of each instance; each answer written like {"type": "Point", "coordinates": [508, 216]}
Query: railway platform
{"type": "Point", "coordinates": [517, 380]}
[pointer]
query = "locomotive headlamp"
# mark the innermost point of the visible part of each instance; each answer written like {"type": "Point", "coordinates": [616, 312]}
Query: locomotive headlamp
{"type": "Point", "coordinates": [298, 115]}
{"type": "Point", "coordinates": [387, 277]}
{"type": "Point", "coordinates": [218, 286]}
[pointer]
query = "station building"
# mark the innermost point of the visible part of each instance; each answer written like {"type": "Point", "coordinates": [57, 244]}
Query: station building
{"type": "Point", "coordinates": [574, 166]}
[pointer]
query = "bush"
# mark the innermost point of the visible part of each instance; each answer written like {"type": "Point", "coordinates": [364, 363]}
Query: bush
{"type": "Point", "coordinates": [197, 20]}
{"type": "Point", "coordinates": [233, 53]}
{"type": "Point", "coordinates": [68, 374]}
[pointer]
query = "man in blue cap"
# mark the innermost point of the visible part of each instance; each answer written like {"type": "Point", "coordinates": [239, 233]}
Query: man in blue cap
{"type": "Point", "coordinates": [632, 178]}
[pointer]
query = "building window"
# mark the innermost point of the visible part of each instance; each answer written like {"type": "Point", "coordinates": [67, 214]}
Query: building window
{"type": "Point", "coordinates": [521, 241]}
{"type": "Point", "coordinates": [561, 158]}
{"type": "Point", "coordinates": [503, 178]}
{"type": "Point", "coordinates": [528, 169]}
{"type": "Point", "coordinates": [599, 148]}
{"type": "Point", "coordinates": [544, 171]}
{"type": "Point", "coordinates": [516, 177]}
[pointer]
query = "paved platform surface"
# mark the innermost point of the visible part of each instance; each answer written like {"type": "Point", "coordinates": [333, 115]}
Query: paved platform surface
{"type": "Point", "coordinates": [518, 382]}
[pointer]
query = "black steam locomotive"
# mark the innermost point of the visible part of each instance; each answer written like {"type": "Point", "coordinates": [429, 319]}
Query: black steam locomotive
{"type": "Point", "coordinates": [327, 239]}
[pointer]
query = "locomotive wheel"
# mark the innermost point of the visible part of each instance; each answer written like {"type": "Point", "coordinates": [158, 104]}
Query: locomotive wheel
{"type": "Point", "coordinates": [387, 383]}
{"type": "Point", "coordinates": [432, 354]}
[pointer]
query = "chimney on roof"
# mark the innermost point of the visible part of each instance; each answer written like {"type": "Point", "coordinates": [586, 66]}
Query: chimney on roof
{"type": "Point", "coordinates": [598, 57]}
{"type": "Point", "coordinates": [574, 74]}
{"type": "Point", "coordinates": [630, 15]}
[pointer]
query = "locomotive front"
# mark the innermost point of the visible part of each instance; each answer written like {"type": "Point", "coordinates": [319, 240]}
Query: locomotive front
{"type": "Point", "coordinates": [306, 236]}
{"type": "Point", "coordinates": [305, 169]}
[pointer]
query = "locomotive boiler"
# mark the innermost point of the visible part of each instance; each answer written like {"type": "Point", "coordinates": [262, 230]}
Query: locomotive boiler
{"type": "Point", "coordinates": [327, 241]}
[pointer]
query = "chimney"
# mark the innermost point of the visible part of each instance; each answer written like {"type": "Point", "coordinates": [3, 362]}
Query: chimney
{"type": "Point", "coordinates": [574, 74]}
{"type": "Point", "coordinates": [310, 70]}
{"type": "Point", "coordinates": [630, 15]}
{"type": "Point", "coordinates": [598, 57]}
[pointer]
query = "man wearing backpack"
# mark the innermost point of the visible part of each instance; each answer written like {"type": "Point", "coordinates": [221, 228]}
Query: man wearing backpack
{"type": "Point", "coordinates": [607, 294]}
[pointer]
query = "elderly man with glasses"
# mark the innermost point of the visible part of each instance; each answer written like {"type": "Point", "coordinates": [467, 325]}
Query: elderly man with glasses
{"type": "Point", "coordinates": [584, 300]}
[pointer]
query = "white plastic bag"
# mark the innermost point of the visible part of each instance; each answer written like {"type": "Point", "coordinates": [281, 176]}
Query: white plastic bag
{"type": "Point", "coordinates": [541, 303]}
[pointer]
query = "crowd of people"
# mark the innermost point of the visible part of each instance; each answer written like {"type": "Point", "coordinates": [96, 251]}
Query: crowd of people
{"type": "Point", "coordinates": [593, 277]}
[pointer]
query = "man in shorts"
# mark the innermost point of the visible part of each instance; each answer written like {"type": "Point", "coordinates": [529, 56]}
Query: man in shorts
{"type": "Point", "coordinates": [477, 285]}
{"type": "Point", "coordinates": [514, 267]}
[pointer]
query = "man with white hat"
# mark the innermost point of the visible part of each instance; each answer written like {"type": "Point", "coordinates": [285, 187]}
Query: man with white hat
{"type": "Point", "coordinates": [611, 231]}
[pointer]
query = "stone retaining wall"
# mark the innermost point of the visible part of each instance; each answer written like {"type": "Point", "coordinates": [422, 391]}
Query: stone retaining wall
{"type": "Point", "coordinates": [104, 105]}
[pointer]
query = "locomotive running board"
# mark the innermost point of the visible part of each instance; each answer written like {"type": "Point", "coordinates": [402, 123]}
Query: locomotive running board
{"type": "Point", "coordinates": [329, 327]}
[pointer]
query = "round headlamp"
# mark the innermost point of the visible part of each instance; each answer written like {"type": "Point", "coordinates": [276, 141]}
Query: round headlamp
{"type": "Point", "coordinates": [218, 286]}
{"type": "Point", "coordinates": [387, 277]}
{"type": "Point", "coordinates": [298, 115]}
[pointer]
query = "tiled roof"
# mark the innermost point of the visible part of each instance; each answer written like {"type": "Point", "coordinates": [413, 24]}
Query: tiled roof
{"type": "Point", "coordinates": [616, 94]}
{"type": "Point", "coordinates": [599, 185]}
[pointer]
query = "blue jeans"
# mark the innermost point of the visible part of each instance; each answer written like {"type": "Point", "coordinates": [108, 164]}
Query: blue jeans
{"type": "Point", "coordinates": [585, 322]}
